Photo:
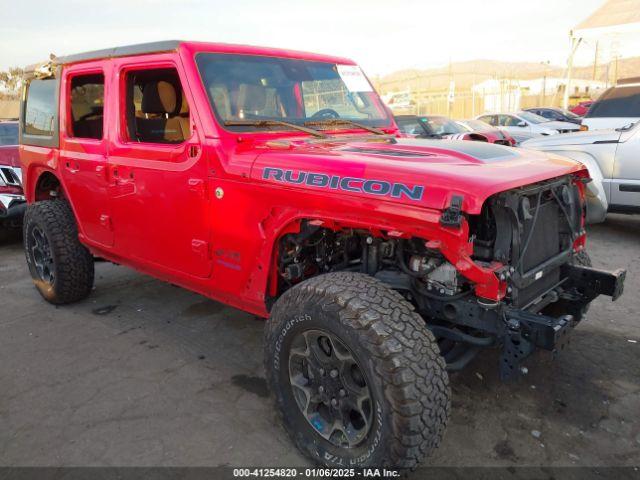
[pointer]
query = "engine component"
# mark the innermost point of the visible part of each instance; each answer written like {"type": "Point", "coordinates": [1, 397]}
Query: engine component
{"type": "Point", "coordinates": [422, 264]}
{"type": "Point", "coordinates": [444, 279]}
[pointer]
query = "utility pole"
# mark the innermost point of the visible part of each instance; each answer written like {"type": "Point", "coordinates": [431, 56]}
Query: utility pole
{"type": "Point", "coordinates": [546, 64]}
{"type": "Point", "coordinates": [595, 62]}
{"type": "Point", "coordinates": [574, 46]}
{"type": "Point", "coordinates": [450, 96]}
{"type": "Point", "coordinates": [473, 93]}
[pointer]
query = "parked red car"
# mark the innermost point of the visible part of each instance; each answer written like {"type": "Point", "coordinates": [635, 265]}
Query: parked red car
{"type": "Point", "coordinates": [582, 108]}
{"type": "Point", "coordinates": [12, 201]}
{"type": "Point", "coordinates": [492, 134]}
{"type": "Point", "coordinates": [273, 181]}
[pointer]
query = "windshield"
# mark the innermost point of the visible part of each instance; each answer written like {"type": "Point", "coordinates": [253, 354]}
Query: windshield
{"type": "Point", "coordinates": [442, 126]}
{"type": "Point", "coordinates": [8, 134]}
{"type": "Point", "coordinates": [249, 87]}
{"type": "Point", "coordinates": [617, 102]}
{"type": "Point", "coordinates": [532, 117]}
{"type": "Point", "coordinates": [569, 114]}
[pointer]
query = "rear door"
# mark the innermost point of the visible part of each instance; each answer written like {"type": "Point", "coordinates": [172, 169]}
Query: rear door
{"type": "Point", "coordinates": [158, 176]}
{"type": "Point", "coordinates": [83, 148]}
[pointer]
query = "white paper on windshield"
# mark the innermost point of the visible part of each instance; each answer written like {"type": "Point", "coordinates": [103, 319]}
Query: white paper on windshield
{"type": "Point", "coordinates": [354, 79]}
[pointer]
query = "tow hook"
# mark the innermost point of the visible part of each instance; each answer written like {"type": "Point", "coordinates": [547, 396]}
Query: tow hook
{"type": "Point", "coordinates": [452, 216]}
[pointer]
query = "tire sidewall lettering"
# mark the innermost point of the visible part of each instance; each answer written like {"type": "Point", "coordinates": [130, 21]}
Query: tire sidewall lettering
{"type": "Point", "coordinates": [329, 453]}
{"type": "Point", "coordinates": [282, 335]}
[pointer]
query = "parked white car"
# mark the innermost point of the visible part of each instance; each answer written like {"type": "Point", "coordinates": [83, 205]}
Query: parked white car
{"type": "Point", "coordinates": [616, 107]}
{"type": "Point", "coordinates": [612, 158]}
{"type": "Point", "coordinates": [525, 125]}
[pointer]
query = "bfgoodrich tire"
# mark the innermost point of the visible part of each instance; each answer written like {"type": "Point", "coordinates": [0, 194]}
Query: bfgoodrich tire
{"type": "Point", "coordinates": [357, 376]}
{"type": "Point", "coordinates": [61, 267]}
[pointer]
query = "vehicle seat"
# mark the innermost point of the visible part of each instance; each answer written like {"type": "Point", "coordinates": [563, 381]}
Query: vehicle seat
{"type": "Point", "coordinates": [163, 109]}
{"type": "Point", "coordinates": [252, 100]}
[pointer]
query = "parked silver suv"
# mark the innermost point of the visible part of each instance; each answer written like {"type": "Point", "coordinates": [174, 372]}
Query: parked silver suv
{"type": "Point", "coordinates": [613, 160]}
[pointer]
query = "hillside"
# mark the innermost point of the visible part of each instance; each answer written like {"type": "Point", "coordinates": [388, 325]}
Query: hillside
{"type": "Point", "coordinates": [467, 73]}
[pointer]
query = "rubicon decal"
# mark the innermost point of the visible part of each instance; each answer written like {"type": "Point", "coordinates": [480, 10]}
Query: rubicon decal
{"type": "Point", "coordinates": [348, 184]}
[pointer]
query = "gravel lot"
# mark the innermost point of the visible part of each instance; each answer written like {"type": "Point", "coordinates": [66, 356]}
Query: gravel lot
{"type": "Point", "coordinates": [143, 373]}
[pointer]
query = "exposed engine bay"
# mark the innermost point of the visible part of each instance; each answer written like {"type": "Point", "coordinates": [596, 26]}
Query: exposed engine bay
{"type": "Point", "coordinates": [531, 231]}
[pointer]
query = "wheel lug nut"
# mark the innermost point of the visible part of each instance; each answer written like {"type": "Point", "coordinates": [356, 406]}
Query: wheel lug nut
{"type": "Point", "coordinates": [322, 371]}
{"type": "Point", "coordinates": [334, 402]}
{"type": "Point", "coordinates": [321, 389]}
{"type": "Point", "coordinates": [342, 392]}
{"type": "Point", "coordinates": [334, 373]}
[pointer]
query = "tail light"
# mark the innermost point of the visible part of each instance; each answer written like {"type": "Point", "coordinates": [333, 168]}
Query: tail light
{"type": "Point", "coordinates": [583, 128]}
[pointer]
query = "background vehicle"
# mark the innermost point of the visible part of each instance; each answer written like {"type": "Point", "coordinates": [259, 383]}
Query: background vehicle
{"type": "Point", "coordinates": [273, 181]}
{"type": "Point", "coordinates": [525, 125]}
{"type": "Point", "coordinates": [582, 108]}
{"type": "Point", "coordinates": [555, 114]}
{"type": "Point", "coordinates": [616, 107]}
{"type": "Point", "coordinates": [612, 159]}
{"type": "Point", "coordinates": [493, 134]}
{"type": "Point", "coordinates": [429, 126]}
{"type": "Point", "coordinates": [438, 126]}
{"type": "Point", "coordinates": [12, 201]}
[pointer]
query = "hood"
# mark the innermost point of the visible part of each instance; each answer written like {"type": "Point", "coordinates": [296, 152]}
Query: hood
{"type": "Point", "coordinates": [411, 171]}
{"type": "Point", "coordinates": [9, 156]}
{"type": "Point", "coordinates": [577, 138]}
{"type": "Point", "coordinates": [555, 125]}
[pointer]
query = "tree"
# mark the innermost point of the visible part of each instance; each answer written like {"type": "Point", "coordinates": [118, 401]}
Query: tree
{"type": "Point", "coordinates": [11, 81]}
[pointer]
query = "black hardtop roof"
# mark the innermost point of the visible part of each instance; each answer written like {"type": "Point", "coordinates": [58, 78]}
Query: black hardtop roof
{"type": "Point", "coordinates": [126, 50]}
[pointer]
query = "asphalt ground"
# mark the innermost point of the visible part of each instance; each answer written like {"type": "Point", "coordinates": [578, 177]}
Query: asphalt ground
{"type": "Point", "coordinates": [142, 373]}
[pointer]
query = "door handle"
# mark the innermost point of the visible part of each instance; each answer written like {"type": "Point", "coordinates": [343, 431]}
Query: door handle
{"type": "Point", "coordinates": [194, 150]}
{"type": "Point", "coordinates": [72, 167]}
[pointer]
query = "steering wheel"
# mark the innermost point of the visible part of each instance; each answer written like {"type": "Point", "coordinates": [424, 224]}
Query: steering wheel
{"type": "Point", "coordinates": [325, 113]}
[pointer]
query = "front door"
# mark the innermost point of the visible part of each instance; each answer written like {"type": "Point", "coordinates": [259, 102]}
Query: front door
{"type": "Point", "coordinates": [625, 181]}
{"type": "Point", "coordinates": [158, 189]}
{"type": "Point", "coordinates": [83, 149]}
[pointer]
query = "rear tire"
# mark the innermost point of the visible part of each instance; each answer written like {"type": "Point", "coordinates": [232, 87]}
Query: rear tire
{"type": "Point", "coordinates": [61, 267]}
{"type": "Point", "coordinates": [398, 410]}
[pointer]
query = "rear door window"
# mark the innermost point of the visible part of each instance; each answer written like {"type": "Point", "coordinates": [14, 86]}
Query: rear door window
{"type": "Point", "coordinates": [490, 119]}
{"type": "Point", "coordinates": [87, 106]}
{"type": "Point", "coordinates": [617, 102]}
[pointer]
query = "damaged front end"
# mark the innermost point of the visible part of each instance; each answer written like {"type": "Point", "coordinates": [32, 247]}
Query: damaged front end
{"type": "Point", "coordinates": [515, 276]}
{"type": "Point", "coordinates": [537, 234]}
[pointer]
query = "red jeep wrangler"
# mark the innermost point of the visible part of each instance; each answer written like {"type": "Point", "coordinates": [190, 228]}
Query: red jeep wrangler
{"type": "Point", "coordinates": [275, 181]}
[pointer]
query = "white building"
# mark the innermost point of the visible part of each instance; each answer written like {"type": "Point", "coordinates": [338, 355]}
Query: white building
{"type": "Point", "coordinates": [505, 95]}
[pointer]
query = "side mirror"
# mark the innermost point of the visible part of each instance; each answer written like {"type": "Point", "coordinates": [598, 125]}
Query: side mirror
{"type": "Point", "coordinates": [522, 124]}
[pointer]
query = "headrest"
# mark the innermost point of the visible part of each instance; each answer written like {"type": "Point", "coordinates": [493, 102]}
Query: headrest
{"type": "Point", "coordinates": [220, 95]}
{"type": "Point", "coordinates": [252, 98]}
{"type": "Point", "coordinates": [159, 97]}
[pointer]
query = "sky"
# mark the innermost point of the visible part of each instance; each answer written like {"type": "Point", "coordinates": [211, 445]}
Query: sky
{"type": "Point", "coordinates": [382, 36]}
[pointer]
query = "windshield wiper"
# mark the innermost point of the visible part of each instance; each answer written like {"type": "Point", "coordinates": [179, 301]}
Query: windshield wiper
{"type": "Point", "coordinates": [274, 123]}
{"type": "Point", "coordinates": [344, 121]}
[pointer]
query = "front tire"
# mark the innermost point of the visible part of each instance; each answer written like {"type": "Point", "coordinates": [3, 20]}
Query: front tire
{"type": "Point", "coordinates": [61, 267]}
{"type": "Point", "coordinates": [357, 377]}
